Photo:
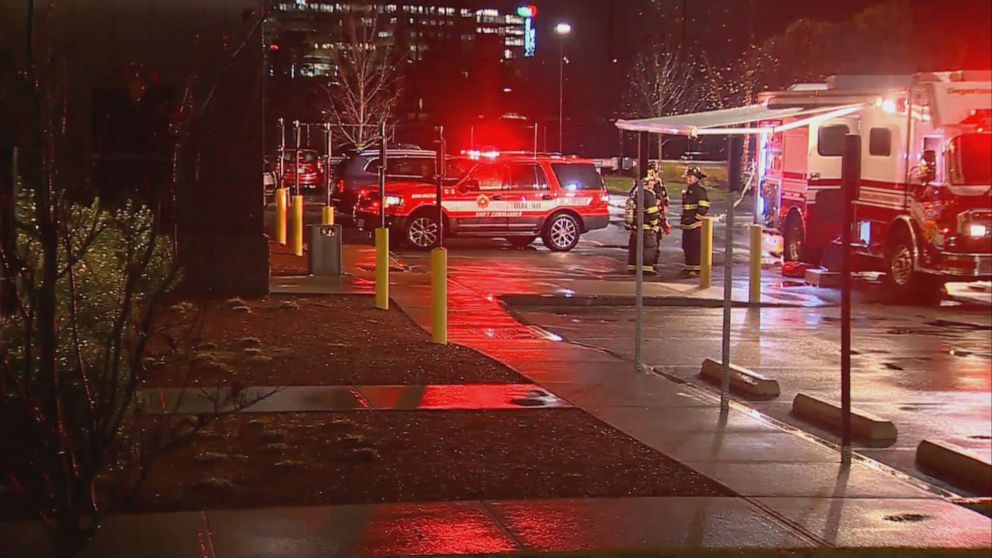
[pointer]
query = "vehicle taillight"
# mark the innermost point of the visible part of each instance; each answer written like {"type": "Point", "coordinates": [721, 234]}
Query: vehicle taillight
{"type": "Point", "coordinates": [340, 186]}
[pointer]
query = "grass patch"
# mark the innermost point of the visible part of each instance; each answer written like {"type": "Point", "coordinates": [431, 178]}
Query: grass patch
{"type": "Point", "coordinates": [715, 182]}
{"type": "Point", "coordinates": [617, 184]}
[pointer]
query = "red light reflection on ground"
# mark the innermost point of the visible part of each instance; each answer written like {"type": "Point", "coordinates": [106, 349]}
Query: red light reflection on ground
{"type": "Point", "coordinates": [464, 397]}
{"type": "Point", "coordinates": [433, 530]}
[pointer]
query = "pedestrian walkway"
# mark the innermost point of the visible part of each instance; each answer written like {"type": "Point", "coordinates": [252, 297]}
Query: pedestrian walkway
{"type": "Point", "coordinates": [793, 492]}
{"type": "Point", "coordinates": [302, 399]}
{"type": "Point", "coordinates": [798, 483]}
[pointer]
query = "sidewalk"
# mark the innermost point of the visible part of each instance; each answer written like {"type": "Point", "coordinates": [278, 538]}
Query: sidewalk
{"type": "Point", "coordinates": [795, 486]}
{"type": "Point", "coordinates": [792, 491]}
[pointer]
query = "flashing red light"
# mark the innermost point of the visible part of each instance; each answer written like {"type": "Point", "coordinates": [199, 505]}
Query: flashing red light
{"type": "Point", "coordinates": [273, 48]}
{"type": "Point", "coordinates": [476, 154]}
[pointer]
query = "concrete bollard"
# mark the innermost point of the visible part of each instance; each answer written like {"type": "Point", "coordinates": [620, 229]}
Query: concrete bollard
{"type": "Point", "coordinates": [754, 286]}
{"type": "Point", "coordinates": [382, 268]}
{"type": "Point", "coordinates": [327, 215]}
{"type": "Point", "coordinates": [280, 232]}
{"type": "Point", "coordinates": [706, 254]}
{"type": "Point", "coordinates": [439, 295]}
{"type": "Point", "coordinates": [828, 415]}
{"type": "Point", "coordinates": [296, 226]}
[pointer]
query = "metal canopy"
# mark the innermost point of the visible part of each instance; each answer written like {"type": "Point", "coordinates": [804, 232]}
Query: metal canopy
{"type": "Point", "coordinates": [723, 121]}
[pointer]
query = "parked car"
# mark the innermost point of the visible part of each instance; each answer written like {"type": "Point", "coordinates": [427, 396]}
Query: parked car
{"type": "Point", "coordinates": [517, 197]}
{"type": "Point", "coordinates": [311, 168]}
{"type": "Point", "coordinates": [269, 181]}
{"type": "Point", "coordinates": [362, 169]}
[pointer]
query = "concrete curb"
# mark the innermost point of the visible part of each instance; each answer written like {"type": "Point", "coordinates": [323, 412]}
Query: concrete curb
{"type": "Point", "coordinates": [955, 464]}
{"type": "Point", "coordinates": [743, 380]}
{"type": "Point", "coordinates": [856, 552]}
{"type": "Point", "coordinates": [826, 414]}
{"type": "Point", "coordinates": [623, 300]}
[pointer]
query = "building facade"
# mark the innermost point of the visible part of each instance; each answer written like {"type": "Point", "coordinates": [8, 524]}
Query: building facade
{"type": "Point", "coordinates": [457, 63]}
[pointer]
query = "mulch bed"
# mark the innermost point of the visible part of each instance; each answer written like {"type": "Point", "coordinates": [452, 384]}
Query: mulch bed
{"type": "Point", "coordinates": [283, 262]}
{"type": "Point", "coordinates": [315, 340]}
{"type": "Point", "coordinates": [365, 457]}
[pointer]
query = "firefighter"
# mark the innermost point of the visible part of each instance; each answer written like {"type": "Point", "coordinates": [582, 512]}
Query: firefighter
{"type": "Point", "coordinates": [652, 227]}
{"type": "Point", "coordinates": [695, 204]}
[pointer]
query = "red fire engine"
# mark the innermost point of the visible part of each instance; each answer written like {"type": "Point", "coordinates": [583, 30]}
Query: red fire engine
{"type": "Point", "coordinates": [924, 212]}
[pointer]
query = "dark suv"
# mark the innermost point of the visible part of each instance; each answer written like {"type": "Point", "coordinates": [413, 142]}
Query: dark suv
{"type": "Point", "coordinates": [361, 170]}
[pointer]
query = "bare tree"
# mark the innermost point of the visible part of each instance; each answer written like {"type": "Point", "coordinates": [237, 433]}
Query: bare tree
{"type": "Point", "coordinates": [739, 82]}
{"type": "Point", "coordinates": [366, 89]}
{"type": "Point", "coordinates": [662, 83]}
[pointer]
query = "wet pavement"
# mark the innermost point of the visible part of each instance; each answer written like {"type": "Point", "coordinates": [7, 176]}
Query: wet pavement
{"type": "Point", "coordinates": [928, 369]}
{"type": "Point", "coordinates": [292, 399]}
{"type": "Point", "coordinates": [930, 377]}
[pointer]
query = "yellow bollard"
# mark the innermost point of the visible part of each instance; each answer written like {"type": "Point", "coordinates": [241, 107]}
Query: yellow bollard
{"type": "Point", "coordinates": [382, 268]}
{"type": "Point", "coordinates": [754, 292]}
{"type": "Point", "coordinates": [280, 216]}
{"type": "Point", "coordinates": [327, 215]}
{"type": "Point", "coordinates": [297, 226]}
{"type": "Point", "coordinates": [439, 294]}
{"type": "Point", "coordinates": [706, 254]}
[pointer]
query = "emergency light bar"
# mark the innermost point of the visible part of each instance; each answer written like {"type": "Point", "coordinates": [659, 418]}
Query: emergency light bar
{"type": "Point", "coordinates": [475, 154]}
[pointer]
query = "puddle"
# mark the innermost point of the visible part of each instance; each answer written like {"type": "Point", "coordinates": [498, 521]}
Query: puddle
{"type": "Point", "coordinates": [906, 517]}
{"type": "Point", "coordinates": [918, 406]}
{"type": "Point", "coordinates": [535, 398]}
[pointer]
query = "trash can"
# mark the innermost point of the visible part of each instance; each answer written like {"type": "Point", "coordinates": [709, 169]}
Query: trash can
{"type": "Point", "coordinates": [325, 250]}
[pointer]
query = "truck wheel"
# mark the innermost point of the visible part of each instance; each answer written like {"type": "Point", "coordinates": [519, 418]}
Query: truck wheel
{"type": "Point", "coordinates": [902, 280]}
{"type": "Point", "coordinates": [561, 233]}
{"type": "Point", "coordinates": [794, 239]}
{"type": "Point", "coordinates": [422, 231]}
{"type": "Point", "coordinates": [521, 241]}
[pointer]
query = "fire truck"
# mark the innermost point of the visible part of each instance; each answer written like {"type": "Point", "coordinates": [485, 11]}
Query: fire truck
{"type": "Point", "coordinates": [923, 211]}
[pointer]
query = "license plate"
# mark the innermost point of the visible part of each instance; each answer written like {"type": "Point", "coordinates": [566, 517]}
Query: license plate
{"type": "Point", "coordinates": [360, 223]}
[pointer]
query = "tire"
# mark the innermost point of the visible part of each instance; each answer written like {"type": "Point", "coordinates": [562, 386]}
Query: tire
{"type": "Point", "coordinates": [561, 233]}
{"type": "Point", "coordinates": [422, 231]}
{"type": "Point", "coordinates": [902, 280]}
{"type": "Point", "coordinates": [519, 242]}
{"type": "Point", "coordinates": [794, 239]}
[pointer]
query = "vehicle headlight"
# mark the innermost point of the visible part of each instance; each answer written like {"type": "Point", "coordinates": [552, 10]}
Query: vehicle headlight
{"type": "Point", "coordinates": [392, 201]}
{"type": "Point", "coordinates": [977, 230]}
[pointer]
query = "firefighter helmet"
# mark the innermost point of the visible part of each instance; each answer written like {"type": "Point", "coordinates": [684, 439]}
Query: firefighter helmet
{"type": "Point", "coordinates": [694, 171]}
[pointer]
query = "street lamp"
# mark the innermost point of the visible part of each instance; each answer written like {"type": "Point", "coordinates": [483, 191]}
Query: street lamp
{"type": "Point", "coordinates": [562, 29]}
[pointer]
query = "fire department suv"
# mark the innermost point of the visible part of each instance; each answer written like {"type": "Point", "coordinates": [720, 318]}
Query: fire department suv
{"type": "Point", "coordinates": [515, 197]}
{"type": "Point", "coordinates": [923, 214]}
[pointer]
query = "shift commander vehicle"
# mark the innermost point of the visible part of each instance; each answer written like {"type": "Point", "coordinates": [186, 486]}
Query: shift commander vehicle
{"type": "Point", "coordinates": [511, 196]}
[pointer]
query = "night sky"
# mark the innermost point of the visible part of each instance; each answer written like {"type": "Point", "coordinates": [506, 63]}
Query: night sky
{"type": "Point", "coordinates": [608, 30]}
{"type": "Point", "coordinates": [607, 36]}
